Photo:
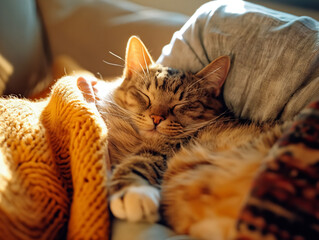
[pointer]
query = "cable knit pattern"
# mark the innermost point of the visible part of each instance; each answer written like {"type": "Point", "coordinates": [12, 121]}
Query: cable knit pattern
{"type": "Point", "coordinates": [53, 167]}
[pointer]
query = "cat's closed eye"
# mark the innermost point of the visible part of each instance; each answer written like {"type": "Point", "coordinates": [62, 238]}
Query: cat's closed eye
{"type": "Point", "coordinates": [185, 108]}
{"type": "Point", "coordinates": [137, 99]}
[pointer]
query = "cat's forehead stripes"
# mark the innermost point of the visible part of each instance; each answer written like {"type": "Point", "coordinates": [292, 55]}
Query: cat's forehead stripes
{"type": "Point", "coordinates": [174, 83]}
{"type": "Point", "coordinates": [168, 79]}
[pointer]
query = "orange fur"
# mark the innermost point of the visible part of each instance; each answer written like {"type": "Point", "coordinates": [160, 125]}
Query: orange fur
{"type": "Point", "coordinates": [207, 183]}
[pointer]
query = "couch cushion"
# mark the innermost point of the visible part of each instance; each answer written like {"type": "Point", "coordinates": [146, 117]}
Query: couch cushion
{"type": "Point", "coordinates": [275, 68]}
{"type": "Point", "coordinates": [88, 30]}
{"type": "Point", "coordinates": [22, 56]}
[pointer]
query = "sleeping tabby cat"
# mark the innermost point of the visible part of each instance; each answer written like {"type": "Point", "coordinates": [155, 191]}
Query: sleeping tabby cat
{"type": "Point", "coordinates": [171, 142]}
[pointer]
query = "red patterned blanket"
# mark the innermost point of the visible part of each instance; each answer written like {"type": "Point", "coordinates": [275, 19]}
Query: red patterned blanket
{"type": "Point", "coordinates": [284, 202]}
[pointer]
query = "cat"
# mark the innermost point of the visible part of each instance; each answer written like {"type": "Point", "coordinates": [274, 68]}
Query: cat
{"type": "Point", "coordinates": [172, 142]}
{"type": "Point", "coordinates": [150, 113]}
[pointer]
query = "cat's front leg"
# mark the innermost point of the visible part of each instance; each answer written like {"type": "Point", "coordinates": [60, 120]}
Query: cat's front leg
{"type": "Point", "coordinates": [136, 203]}
{"type": "Point", "coordinates": [135, 187]}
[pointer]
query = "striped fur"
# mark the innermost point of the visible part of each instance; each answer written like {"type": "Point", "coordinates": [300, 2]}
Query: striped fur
{"type": "Point", "coordinates": [165, 122]}
{"type": "Point", "coordinates": [153, 111]}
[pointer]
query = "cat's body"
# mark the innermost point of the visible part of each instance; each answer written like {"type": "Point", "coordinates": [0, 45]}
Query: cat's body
{"type": "Point", "coordinates": [208, 181]}
{"type": "Point", "coordinates": [139, 147]}
{"type": "Point", "coordinates": [164, 123]}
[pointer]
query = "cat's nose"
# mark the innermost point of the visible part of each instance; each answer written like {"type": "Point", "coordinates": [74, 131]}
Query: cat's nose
{"type": "Point", "coordinates": [157, 119]}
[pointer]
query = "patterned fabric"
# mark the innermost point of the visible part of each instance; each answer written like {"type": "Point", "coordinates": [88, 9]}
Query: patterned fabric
{"type": "Point", "coordinates": [284, 202]}
{"type": "Point", "coordinates": [52, 168]}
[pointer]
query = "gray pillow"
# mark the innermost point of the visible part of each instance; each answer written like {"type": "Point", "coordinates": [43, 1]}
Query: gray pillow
{"type": "Point", "coordinates": [275, 68]}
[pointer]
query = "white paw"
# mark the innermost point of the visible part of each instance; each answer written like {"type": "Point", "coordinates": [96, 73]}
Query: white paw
{"type": "Point", "coordinates": [136, 203]}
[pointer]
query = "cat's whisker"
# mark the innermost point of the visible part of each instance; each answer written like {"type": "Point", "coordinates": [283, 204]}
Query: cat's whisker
{"type": "Point", "coordinates": [211, 72]}
{"type": "Point", "coordinates": [115, 114]}
{"type": "Point", "coordinates": [197, 81]}
{"type": "Point", "coordinates": [119, 65]}
{"type": "Point", "coordinates": [65, 72]}
{"type": "Point", "coordinates": [113, 64]}
{"type": "Point", "coordinates": [175, 128]}
{"type": "Point", "coordinates": [185, 132]}
{"type": "Point", "coordinates": [146, 75]}
{"type": "Point", "coordinates": [146, 64]}
{"type": "Point", "coordinates": [115, 55]}
{"type": "Point", "coordinates": [139, 120]}
{"type": "Point", "coordinates": [142, 69]}
{"type": "Point", "coordinates": [137, 73]}
{"type": "Point", "coordinates": [124, 114]}
{"type": "Point", "coordinates": [137, 117]}
{"type": "Point", "coordinates": [100, 75]}
{"type": "Point", "coordinates": [171, 129]}
{"type": "Point", "coordinates": [115, 109]}
{"type": "Point", "coordinates": [183, 102]}
{"type": "Point", "coordinates": [118, 116]}
{"type": "Point", "coordinates": [203, 78]}
{"type": "Point", "coordinates": [170, 133]}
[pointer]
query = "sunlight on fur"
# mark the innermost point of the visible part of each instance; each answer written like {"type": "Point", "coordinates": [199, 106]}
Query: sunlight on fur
{"type": "Point", "coordinates": [5, 174]}
{"type": "Point", "coordinates": [172, 142]}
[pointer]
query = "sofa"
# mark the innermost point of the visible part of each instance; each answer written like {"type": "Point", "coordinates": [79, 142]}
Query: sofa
{"type": "Point", "coordinates": [43, 30]}
{"type": "Point", "coordinates": [281, 58]}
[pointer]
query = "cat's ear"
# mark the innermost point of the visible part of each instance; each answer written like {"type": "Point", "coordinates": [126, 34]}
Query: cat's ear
{"type": "Point", "coordinates": [137, 57]}
{"type": "Point", "coordinates": [215, 73]}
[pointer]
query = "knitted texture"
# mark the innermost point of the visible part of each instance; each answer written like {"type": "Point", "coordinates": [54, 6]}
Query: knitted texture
{"type": "Point", "coordinates": [53, 167]}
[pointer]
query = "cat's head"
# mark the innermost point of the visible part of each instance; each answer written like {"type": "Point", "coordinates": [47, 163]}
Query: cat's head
{"type": "Point", "coordinates": [165, 101]}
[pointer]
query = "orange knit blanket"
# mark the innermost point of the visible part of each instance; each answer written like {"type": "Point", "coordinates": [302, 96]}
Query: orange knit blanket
{"type": "Point", "coordinates": [53, 167]}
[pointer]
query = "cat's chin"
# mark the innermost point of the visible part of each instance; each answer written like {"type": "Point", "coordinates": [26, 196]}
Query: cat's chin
{"type": "Point", "coordinates": [151, 133]}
